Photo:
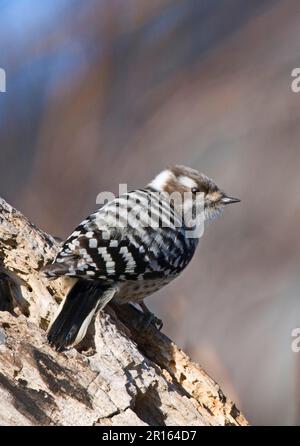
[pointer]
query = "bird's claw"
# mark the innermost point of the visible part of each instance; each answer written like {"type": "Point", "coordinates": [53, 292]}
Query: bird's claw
{"type": "Point", "coordinates": [158, 323]}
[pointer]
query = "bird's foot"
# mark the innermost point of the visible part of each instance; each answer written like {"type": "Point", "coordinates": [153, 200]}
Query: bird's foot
{"type": "Point", "coordinates": [149, 319]}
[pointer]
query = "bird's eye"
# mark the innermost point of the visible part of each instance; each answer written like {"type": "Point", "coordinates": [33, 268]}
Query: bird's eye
{"type": "Point", "coordinates": [195, 190]}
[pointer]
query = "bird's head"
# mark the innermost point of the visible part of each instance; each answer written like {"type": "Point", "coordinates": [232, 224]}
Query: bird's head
{"type": "Point", "coordinates": [194, 188]}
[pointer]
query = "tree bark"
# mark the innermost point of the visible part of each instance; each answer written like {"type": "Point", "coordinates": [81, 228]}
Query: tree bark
{"type": "Point", "coordinates": [117, 376]}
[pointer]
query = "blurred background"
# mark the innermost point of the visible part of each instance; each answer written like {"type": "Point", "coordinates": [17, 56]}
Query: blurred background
{"type": "Point", "coordinates": [103, 92]}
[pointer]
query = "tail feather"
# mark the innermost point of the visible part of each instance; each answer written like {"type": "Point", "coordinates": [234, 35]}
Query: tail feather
{"type": "Point", "coordinates": [81, 303]}
{"type": "Point", "coordinates": [54, 270]}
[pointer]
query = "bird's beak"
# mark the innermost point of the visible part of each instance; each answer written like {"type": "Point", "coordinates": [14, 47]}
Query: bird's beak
{"type": "Point", "coordinates": [229, 200]}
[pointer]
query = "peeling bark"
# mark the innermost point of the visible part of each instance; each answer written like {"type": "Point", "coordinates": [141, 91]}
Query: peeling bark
{"type": "Point", "coordinates": [117, 376]}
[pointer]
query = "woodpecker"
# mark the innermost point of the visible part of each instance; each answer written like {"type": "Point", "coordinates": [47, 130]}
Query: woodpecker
{"type": "Point", "coordinates": [131, 247]}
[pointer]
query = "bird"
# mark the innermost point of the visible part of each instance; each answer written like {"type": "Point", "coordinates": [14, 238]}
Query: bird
{"type": "Point", "coordinates": [131, 247]}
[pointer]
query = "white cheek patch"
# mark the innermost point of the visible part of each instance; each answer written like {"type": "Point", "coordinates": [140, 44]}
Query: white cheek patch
{"type": "Point", "coordinates": [187, 182]}
{"type": "Point", "coordinates": [161, 180]}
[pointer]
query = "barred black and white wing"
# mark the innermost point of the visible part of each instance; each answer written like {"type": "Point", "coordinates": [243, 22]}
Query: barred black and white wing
{"type": "Point", "coordinates": [137, 236]}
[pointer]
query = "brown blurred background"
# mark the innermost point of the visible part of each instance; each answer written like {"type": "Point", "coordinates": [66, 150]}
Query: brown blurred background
{"type": "Point", "coordinates": [107, 92]}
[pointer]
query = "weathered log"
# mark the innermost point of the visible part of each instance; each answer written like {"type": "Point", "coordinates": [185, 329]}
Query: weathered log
{"type": "Point", "coordinates": [117, 376]}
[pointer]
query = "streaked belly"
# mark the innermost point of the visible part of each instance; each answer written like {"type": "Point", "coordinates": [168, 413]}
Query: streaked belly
{"type": "Point", "coordinates": [135, 291]}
